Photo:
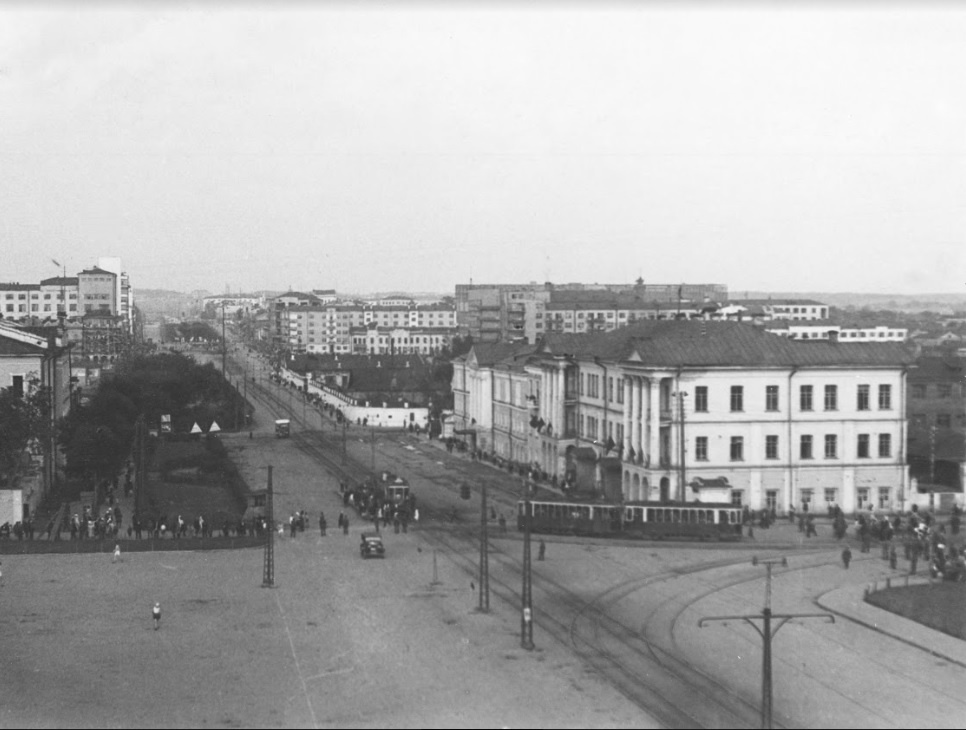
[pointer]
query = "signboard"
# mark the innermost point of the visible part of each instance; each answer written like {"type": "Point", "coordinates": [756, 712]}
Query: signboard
{"type": "Point", "coordinates": [214, 427]}
{"type": "Point", "coordinates": [165, 423]}
{"type": "Point", "coordinates": [196, 428]}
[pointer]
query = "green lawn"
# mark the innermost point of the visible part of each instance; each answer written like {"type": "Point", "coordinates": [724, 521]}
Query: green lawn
{"type": "Point", "coordinates": [940, 606]}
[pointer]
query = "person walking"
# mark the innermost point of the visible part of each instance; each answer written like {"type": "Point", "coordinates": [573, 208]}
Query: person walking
{"type": "Point", "coordinates": [322, 524]}
{"type": "Point", "coordinates": [846, 557]}
{"type": "Point", "coordinates": [156, 615]}
{"type": "Point", "coordinates": [117, 552]}
{"type": "Point", "coordinates": [542, 550]}
{"type": "Point", "coordinates": [345, 525]}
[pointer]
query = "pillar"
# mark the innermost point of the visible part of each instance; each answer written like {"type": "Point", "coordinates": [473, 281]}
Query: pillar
{"type": "Point", "coordinates": [627, 416]}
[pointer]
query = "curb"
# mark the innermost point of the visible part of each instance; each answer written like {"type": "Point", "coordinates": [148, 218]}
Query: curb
{"type": "Point", "coordinates": [875, 627]}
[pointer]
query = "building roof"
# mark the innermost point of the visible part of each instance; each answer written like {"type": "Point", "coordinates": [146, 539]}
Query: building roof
{"type": "Point", "coordinates": [96, 270]}
{"type": "Point", "coordinates": [17, 341]}
{"type": "Point", "coordinates": [683, 343]}
{"type": "Point", "coordinates": [59, 281]}
{"type": "Point", "coordinates": [19, 287]}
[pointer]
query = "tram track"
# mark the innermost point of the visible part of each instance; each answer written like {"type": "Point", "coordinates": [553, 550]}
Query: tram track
{"type": "Point", "coordinates": [652, 676]}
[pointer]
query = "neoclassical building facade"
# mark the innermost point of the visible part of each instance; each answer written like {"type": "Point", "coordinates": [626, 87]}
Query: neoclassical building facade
{"type": "Point", "coordinates": [658, 410]}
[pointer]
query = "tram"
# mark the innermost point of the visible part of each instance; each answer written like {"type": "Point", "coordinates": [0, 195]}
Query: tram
{"type": "Point", "coordinates": [648, 520]}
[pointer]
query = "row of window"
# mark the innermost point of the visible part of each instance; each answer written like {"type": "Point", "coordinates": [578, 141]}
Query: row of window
{"type": "Point", "coordinates": [921, 390]}
{"type": "Point", "coordinates": [805, 447]}
{"type": "Point", "coordinates": [35, 307]}
{"type": "Point", "coordinates": [806, 398]}
{"type": "Point", "coordinates": [862, 496]}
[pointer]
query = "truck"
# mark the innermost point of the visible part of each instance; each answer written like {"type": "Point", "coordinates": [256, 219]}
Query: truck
{"type": "Point", "coordinates": [282, 428]}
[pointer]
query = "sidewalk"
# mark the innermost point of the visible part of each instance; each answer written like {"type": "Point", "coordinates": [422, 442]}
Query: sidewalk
{"type": "Point", "coordinates": [849, 603]}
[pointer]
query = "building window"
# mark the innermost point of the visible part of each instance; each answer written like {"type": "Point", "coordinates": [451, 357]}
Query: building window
{"type": "Point", "coordinates": [831, 446]}
{"type": "Point", "coordinates": [918, 390]}
{"type": "Point", "coordinates": [885, 397]}
{"type": "Point", "coordinates": [771, 447]}
{"type": "Point", "coordinates": [883, 497]}
{"type": "Point", "coordinates": [737, 398]}
{"type": "Point", "coordinates": [861, 497]}
{"type": "Point", "coordinates": [701, 448]}
{"type": "Point", "coordinates": [943, 420]}
{"type": "Point", "coordinates": [807, 495]}
{"type": "Point", "coordinates": [737, 448]}
{"type": "Point", "coordinates": [830, 495]}
{"type": "Point", "coordinates": [862, 398]}
{"type": "Point", "coordinates": [831, 397]}
{"type": "Point", "coordinates": [701, 399]}
{"type": "Point", "coordinates": [771, 500]}
{"type": "Point", "coordinates": [736, 496]}
{"type": "Point", "coordinates": [805, 398]}
{"type": "Point", "coordinates": [771, 398]}
{"type": "Point", "coordinates": [945, 390]}
{"type": "Point", "coordinates": [805, 450]}
{"type": "Point", "coordinates": [863, 446]}
{"type": "Point", "coordinates": [885, 445]}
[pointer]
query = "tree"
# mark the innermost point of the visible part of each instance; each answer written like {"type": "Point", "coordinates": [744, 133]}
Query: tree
{"type": "Point", "coordinates": [23, 419]}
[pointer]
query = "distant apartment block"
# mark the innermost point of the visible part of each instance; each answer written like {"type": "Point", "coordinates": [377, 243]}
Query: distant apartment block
{"type": "Point", "coordinates": [826, 330]}
{"type": "Point", "coordinates": [794, 309]}
{"type": "Point", "coordinates": [302, 323]}
{"type": "Point", "coordinates": [524, 312]}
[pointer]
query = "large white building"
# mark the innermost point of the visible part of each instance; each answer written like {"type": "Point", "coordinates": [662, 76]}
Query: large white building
{"type": "Point", "coordinates": [653, 410]}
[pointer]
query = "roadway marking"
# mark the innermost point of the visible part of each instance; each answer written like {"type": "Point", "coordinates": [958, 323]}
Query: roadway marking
{"type": "Point", "coordinates": [298, 667]}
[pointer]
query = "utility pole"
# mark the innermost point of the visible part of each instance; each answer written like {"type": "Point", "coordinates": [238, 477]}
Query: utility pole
{"type": "Point", "coordinates": [682, 446]}
{"type": "Point", "coordinates": [526, 615]}
{"type": "Point", "coordinates": [372, 441]}
{"type": "Point", "coordinates": [766, 634]}
{"type": "Point", "coordinates": [224, 342]}
{"type": "Point", "coordinates": [268, 579]}
{"type": "Point", "coordinates": [484, 556]}
{"type": "Point", "coordinates": [343, 441]}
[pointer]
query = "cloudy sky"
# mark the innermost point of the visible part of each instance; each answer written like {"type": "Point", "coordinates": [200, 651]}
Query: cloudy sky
{"type": "Point", "coordinates": [812, 147]}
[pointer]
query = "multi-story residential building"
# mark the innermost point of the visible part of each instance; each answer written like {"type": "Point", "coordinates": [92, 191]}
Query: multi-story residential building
{"type": "Point", "coordinates": [60, 296]}
{"type": "Point", "coordinates": [786, 308]}
{"type": "Point", "coordinates": [937, 422]}
{"type": "Point", "coordinates": [813, 329]}
{"type": "Point", "coordinates": [97, 291]}
{"type": "Point", "coordinates": [372, 340]}
{"type": "Point", "coordinates": [659, 406]}
{"type": "Point", "coordinates": [523, 312]}
{"type": "Point", "coordinates": [340, 328]}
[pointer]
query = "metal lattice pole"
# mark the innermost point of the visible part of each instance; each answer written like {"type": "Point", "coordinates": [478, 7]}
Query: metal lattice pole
{"type": "Point", "coordinates": [484, 556]}
{"type": "Point", "coordinates": [268, 579]}
{"type": "Point", "coordinates": [526, 617]}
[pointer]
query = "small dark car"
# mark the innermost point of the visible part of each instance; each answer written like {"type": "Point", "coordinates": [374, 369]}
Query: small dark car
{"type": "Point", "coordinates": [371, 546]}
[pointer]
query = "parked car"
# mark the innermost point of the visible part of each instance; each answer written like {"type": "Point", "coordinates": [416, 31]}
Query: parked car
{"type": "Point", "coordinates": [372, 546]}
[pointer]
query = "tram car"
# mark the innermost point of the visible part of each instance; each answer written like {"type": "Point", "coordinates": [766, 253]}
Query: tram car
{"type": "Point", "coordinates": [649, 520]}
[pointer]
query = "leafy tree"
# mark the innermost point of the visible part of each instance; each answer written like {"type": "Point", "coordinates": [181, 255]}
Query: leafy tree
{"type": "Point", "coordinates": [22, 419]}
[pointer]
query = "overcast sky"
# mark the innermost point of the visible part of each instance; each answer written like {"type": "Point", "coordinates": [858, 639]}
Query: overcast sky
{"type": "Point", "coordinates": [417, 146]}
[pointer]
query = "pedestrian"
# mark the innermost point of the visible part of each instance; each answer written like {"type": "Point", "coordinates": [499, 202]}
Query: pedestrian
{"type": "Point", "coordinates": [893, 557]}
{"type": "Point", "coordinates": [117, 552]}
{"type": "Point", "coordinates": [810, 527]}
{"type": "Point", "coordinates": [846, 557]}
{"type": "Point", "coordinates": [156, 615]}
{"type": "Point", "coordinates": [322, 524]}
{"type": "Point", "coordinates": [502, 524]}
{"type": "Point", "coordinates": [542, 550]}
{"type": "Point", "coordinates": [345, 525]}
